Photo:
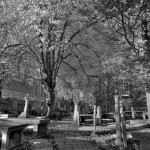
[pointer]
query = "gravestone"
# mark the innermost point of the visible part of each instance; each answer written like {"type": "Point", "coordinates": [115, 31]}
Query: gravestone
{"type": "Point", "coordinates": [25, 113]}
{"type": "Point", "coordinates": [141, 140]}
{"type": "Point", "coordinates": [39, 124]}
{"type": "Point", "coordinates": [12, 135]}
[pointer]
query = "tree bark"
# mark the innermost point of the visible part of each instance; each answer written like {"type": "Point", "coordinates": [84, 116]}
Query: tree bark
{"type": "Point", "coordinates": [52, 99]}
{"type": "Point", "coordinates": [50, 103]}
{"type": "Point", "coordinates": [106, 105]}
{"type": "Point", "coordinates": [146, 40]}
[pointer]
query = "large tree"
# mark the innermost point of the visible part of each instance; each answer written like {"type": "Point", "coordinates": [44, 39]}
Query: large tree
{"type": "Point", "coordinates": [60, 35]}
{"type": "Point", "coordinates": [128, 23]}
{"type": "Point", "coordinates": [59, 27]}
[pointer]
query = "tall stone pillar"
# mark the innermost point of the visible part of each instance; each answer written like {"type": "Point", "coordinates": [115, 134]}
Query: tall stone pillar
{"type": "Point", "coordinates": [99, 115]}
{"type": "Point", "coordinates": [94, 117]}
{"type": "Point", "coordinates": [75, 116]}
{"type": "Point", "coordinates": [148, 103]}
{"type": "Point", "coordinates": [118, 119]}
{"type": "Point", "coordinates": [123, 125]}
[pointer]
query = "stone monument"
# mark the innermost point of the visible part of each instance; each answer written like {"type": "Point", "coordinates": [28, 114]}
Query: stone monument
{"type": "Point", "coordinates": [25, 113]}
{"type": "Point", "coordinates": [47, 116]}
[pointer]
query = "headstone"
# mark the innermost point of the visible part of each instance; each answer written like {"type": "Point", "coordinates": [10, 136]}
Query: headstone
{"type": "Point", "coordinates": [25, 113]}
{"type": "Point", "coordinates": [14, 104]}
{"type": "Point", "coordinates": [142, 140]}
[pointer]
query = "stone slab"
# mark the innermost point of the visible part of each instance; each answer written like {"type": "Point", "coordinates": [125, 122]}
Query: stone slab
{"type": "Point", "coordinates": [140, 136]}
{"type": "Point", "coordinates": [138, 121]}
{"type": "Point", "coordinates": [39, 125]}
{"type": "Point", "coordinates": [8, 115]}
{"type": "Point", "coordinates": [11, 135]}
{"type": "Point", "coordinates": [143, 138]}
{"type": "Point", "coordinates": [27, 120]}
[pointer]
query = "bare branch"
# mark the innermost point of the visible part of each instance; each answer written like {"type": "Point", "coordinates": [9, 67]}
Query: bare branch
{"type": "Point", "coordinates": [65, 57]}
{"type": "Point", "coordinates": [78, 31]}
{"type": "Point", "coordinates": [74, 69]}
{"type": "Point", "coordinates": [10, 46]}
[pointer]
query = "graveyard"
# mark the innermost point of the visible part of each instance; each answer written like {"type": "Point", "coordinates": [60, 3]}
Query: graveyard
{"type": "Point", "coordinates": [85, 127]}
{"type": "Point", "coordinates": [74, 74]}
{"type": "Point", "coordinates": [26, 132]}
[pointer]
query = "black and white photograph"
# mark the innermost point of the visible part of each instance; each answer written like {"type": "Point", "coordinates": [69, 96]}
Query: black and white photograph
{"type": "Point", "coordinates": [74, 74]}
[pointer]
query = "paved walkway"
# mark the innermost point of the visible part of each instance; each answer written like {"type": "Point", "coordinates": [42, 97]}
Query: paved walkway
{"type": "Point", "coordinates": [72, 140]}
{"type": "Point", "coordinates": [73, 143]}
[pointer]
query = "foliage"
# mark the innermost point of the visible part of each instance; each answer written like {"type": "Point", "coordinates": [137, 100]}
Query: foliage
{"type": "Point", "coordinates": [125, 25]}
{"type": "Point", "coordinates": [61, 36]}
{"type": "Point", "coordinates": [14, 28]}
{"type": "Point", "coordinates": [12, 45]}
{"type": "Point", "coordinates": [58, 27]}
{"type": "Point", "coordinates": [64, 89]}
{"type": "Point", "coordinates": [124, 21]}
{"type": "Point", "coordinates": [75, 39]}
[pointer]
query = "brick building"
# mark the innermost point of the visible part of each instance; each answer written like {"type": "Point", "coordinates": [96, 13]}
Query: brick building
{"type": "Point", "coordinates": [14, 89]}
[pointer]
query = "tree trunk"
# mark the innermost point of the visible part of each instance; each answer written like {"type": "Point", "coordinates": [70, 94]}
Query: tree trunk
{"type": "Point", "coordinates": [146, 41]}
{"type": "Point", "coordinates": [75, 115]}
{"type": "Point", "coordinates": [52, 99]}
{"type": "Point", "coordinates": [106, 105]}
{"type": "Point", "coordinates": [50, 103]}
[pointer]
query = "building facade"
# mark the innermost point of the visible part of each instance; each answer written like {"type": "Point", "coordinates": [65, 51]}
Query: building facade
{"type": "Point", "coordinates": [14, 92]}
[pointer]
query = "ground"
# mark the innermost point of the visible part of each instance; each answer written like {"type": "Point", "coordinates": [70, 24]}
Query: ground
{"type": "Point", "coordinates": [66, 135]}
